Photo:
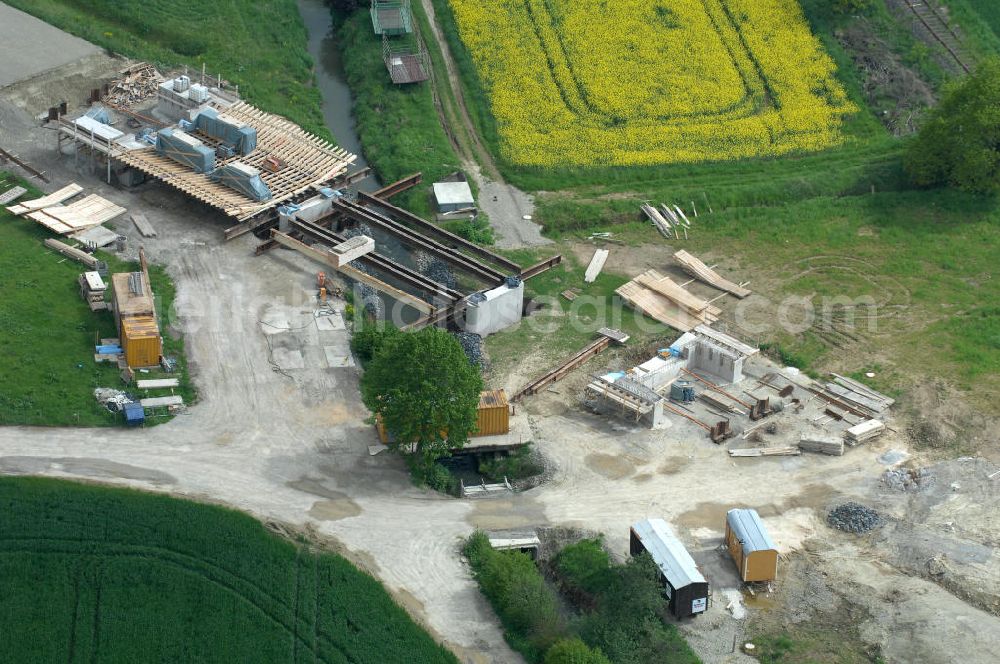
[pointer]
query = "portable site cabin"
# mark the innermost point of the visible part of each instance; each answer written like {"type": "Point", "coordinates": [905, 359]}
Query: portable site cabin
{"type": "Point", "coordinates": [135, 316]}
{"type": "Point", "coordinates": [751, 547]}
{"type": "Point", "coordinates": [492, 417]}
{"type": "Point", "coordinates": [683, 583]}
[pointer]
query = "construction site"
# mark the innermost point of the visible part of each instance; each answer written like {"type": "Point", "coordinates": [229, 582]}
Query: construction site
{"type": "Point", "coordinates": [764, 494]}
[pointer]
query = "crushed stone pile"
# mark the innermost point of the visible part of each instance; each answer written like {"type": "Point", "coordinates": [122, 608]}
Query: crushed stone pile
{"type": "Point", "coordinates": [472, 344]}
{"type": "Point", "coordinates": [435, 268]}
{"type": "Point", "coordinates": [854, 518]}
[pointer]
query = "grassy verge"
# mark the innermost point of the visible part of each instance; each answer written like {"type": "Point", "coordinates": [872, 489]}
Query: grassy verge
{"type": "Point", "coordinates": [124, 576]}
{"type": "Point", "coordinates": [398, 125]}
{"type": "Point", "coordinates": [48, 333]}
{"type": "Point", "coordinates": [259, 46]}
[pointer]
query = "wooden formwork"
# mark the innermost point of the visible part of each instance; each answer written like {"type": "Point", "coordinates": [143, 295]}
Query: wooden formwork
{"type": "Point", "coordinates": [308, 161]}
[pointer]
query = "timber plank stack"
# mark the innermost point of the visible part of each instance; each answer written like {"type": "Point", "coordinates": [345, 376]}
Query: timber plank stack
{"type": "Point", "coordinates": [765, 451]}
{"type": "Point", "coordinates": [861, 433]}
{"type": "Point", "coordinates": [659, 221]}
{"type": "Point", "coordinates": [697, 269]}
{"type": "Point", "coordinates": [858, 395]}
{"type": "Point", "coordinates": [829, 446]}
{"type": "Point", "coordinates": [666, 301]}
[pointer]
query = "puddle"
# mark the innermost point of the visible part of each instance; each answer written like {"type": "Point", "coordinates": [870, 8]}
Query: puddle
{"type": "Point", "coordinates": [609, 466]}
{"type": "Point", "coordinates": [334, 510]}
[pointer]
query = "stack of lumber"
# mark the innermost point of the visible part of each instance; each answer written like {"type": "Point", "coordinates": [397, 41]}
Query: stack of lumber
{"type": "Point", "coordinates": [55, 198]}
{"type": "Point", "coordinates": [858, 395]}
{"type": "Point", "coordinates": [659, 221]}
{"type": "Point", "coordinates": [830, 446]}
{"type": "Point", "coordinates": [697, 269]}
{"type": "Point", "coordinates": [89, 211]}
{"type": "Point", "coordinates": [134, 84]}
{"type": "Point", "coordinates": [861, 433]}
{"type": "Point", "coordinates": [664, 300]}
{"type": "Point", "coordinates": [92, 289]}
{"type": "Point", "coordinates": [11, 195]}
{"type": "Point", "coordinates": [765, 451]}
{"type": "Point", "coordinates": [72, 252]}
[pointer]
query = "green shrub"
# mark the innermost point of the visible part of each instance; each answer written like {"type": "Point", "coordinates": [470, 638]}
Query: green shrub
{"type": "Point", "coordinates": [527, 607]}
{"type": "Point", "coordinates": [584, 566]}
{"type": "Point", "coordinates": [517, 465]}
{"type": "Point", "coordinates": [369, 338]}
{"type": "Point", "coordinates": [574, 651]}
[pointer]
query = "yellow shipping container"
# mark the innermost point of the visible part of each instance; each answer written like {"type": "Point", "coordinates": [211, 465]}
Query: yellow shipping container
{"type": "Point", "coordinates": [494, 413]}
{"type": "Point", "coordinates": [141, 341]}
{"type": "Point", "coordinates": [492, 419]}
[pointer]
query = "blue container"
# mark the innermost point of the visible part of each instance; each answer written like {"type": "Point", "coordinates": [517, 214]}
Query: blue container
{"type": "Point", "coordinates": [135, 415]}
{"type": "Point", "coordinates": [241, 138]}
{"type": "Point", "coordinates": [197, 156]}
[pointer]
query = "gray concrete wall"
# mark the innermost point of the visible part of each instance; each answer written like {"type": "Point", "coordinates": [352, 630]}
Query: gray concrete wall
{"type": "Point", "coordinates": [501, 309]}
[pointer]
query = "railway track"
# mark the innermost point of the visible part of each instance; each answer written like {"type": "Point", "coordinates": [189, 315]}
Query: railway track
{"type": "Point", "coordinates": [940, 30]}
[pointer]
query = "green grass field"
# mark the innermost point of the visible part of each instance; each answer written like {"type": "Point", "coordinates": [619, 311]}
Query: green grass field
{"type": "Point", "coordinates": [260, 46]}
{"type": "Point", "coordinates": [844, 222]}
{"type": "Point", "coordinates": [110, 575]}
{"type": "Point", "coordinates": [48, 333]}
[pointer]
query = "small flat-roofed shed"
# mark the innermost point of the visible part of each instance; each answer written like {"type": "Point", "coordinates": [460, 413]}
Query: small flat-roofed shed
{"type": "Point", "coordinates": [751, 546]}
{"type": "Point", "coordinates": [451, 196]}
{"type": "Point", "coordinates": [684, 584]}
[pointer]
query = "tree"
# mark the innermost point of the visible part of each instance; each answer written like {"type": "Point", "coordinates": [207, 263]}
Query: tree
{"type": "Point", "coordinates": [959, 145]}
{"type": "Point", "coordinates": [574, 651]}
{"type": "Point", "coordinates": [425, 390]}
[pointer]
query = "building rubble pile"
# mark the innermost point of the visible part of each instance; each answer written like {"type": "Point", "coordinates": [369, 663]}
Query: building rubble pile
{"type": "Point", "coordinates": [134, 84]}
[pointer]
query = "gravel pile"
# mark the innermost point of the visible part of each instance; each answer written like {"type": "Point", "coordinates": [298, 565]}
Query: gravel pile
{"type": "Point", "coordinates": [854, 518]}
{"type": "Point", "coordinates": [472, 344]}
{"type": "Point", "coordinates": [903, 479]}
{"type": "Point", "coordinates": [435, 268]}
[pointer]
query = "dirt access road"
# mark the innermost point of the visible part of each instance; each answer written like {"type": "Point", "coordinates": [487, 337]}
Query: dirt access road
{"type": "Point", "coordinates": [292, 446]}
{"type": "Point", "coordinates": [504, 204]}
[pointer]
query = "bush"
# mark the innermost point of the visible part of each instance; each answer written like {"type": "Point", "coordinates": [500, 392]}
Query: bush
{"type": "Point", "coordinates": [369, 338]}
{"type": "Point", "coordinates": [584, 566]}
{"type": "Point", "coordinates": [957, 146]}
{"type": "Point", "coordinates": [527, 607]}
{"type": "Point", "coordinates": [518, 465]}
{"type": "Point", "coordinates": [574, 651]}
{"type": "Point", "coordinates": [436, 477]}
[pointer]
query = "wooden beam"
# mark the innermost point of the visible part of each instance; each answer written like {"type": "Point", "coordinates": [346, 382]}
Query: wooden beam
{"type": "Point", "coordinates": [328, 260]}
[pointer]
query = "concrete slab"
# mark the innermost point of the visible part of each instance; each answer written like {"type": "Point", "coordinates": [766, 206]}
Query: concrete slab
{"type": "Point", "coordinates": [330, 323]}
{"type": "Point", "coordinates": [32, 47]}
{"type": "Point", "coordinates": [288, 359]}
{"type": "Point", "coordinates": [338, 356]}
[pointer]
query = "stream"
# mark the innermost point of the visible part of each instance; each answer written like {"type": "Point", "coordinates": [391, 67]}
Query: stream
{"type": "Point", "coordinates": [330, 81]}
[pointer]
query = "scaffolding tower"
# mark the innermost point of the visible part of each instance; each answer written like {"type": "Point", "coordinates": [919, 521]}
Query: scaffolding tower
{"type": "Point", "coordinates": [391, 17]}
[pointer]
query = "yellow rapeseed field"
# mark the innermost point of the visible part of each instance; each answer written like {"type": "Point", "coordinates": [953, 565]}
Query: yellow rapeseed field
{"type": "Point", "coordinates": [629, 82]}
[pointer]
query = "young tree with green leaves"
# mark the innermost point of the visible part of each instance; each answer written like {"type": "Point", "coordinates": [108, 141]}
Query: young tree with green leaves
{"type": "Point", "coordinates": [959, 145]}
{"type": "Point", "coordinates": [425, 390]}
